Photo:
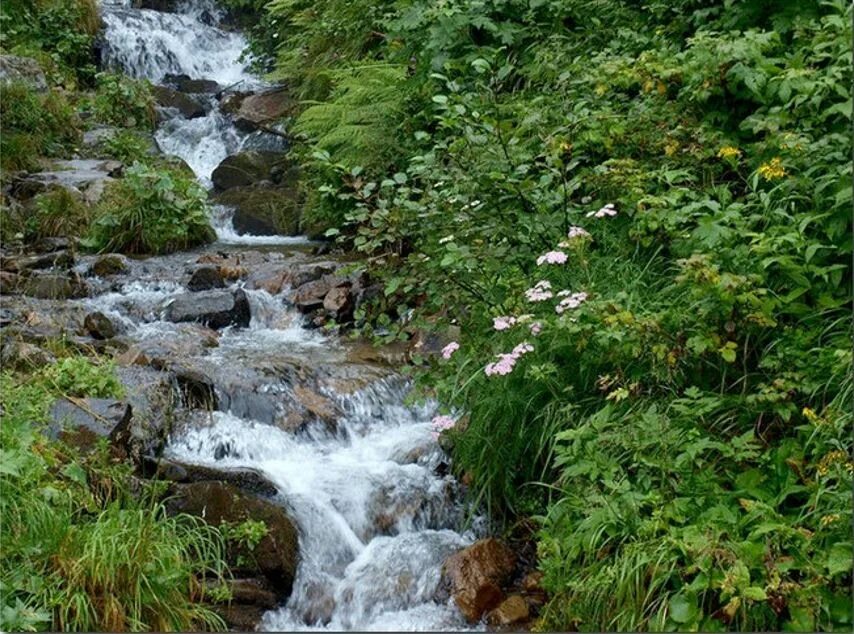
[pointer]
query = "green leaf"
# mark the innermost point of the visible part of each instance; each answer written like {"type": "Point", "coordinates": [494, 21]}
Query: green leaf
{"type": "Point", "coordinates": [754, 593]}
{"type": "Point", "coordinates": [839, 559]}
{"type": "Point", "coordinates": [683, 608]}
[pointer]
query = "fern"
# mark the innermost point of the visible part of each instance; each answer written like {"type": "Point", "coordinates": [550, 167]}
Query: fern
{"type": "Point", "coordinates": [357, 124]}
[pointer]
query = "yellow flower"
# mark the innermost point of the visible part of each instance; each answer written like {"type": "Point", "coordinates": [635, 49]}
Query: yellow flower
{"type": "Point", "coordinates": [728, 152]}
{"type": "Point", "coordinates": [670, 148]}
{"type": "Point", "coordinates": [829, 519]}
{"type": "Point", "coordinates": [772, 170]}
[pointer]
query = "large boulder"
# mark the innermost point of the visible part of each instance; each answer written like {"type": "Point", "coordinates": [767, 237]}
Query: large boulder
{"type": "Point", "coordinates": [263, 109]}
{"type": "Point", "coordinates": [82, 422]}
{"type": "Point", "coordinates": [475, 576]}
{"type": "Point", "coordinates": [16, 69]}
{"type": "Point", "coordinates": [185, 83]}
{"type": "Point", "coordinates": [215, 308]}
{"type": "Point", "coordinates": [99, 326]}
{"type": "Point", "coordinates": [205, 278]}
{"type": "Point", "coordinates": [86, 178]}
{"type": "Point", "coordinates": [260, 210]}
{"type": "Point", "coordinates": [109, 264]}
{"type": "Point", "coordinates": [53, 286]}
{"type": "Point", "coordinates": [169, 98]}
{"type": "Point", "coordinates": [245, 168]}
{"type": "Point", "coordinates": [275, 556]}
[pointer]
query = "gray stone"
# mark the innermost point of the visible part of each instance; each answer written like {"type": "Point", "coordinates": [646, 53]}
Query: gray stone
{"type": "Point", "coordinates": [205, 278]}
{"type": "Point", "coordinates": [169, 98]}
{"type": "Point", "coordinates": [99, 326]}
{"type": "Point", "coordinates": [14, 68]}
{"type": "Point", "coordinates": [215, 309]}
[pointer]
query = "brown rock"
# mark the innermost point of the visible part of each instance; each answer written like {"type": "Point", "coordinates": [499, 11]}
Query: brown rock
{"type": "Point", "coordinates": [262, 109]}
{"type": "Point", "coordinates": [109, 264]}
{"type": "Point", "coordinates": [276, 554]}
{"type": "Point", "coordinates": [99, 326]}
{"type": "Point", "coordinates": [315, 403]}
{"type": "Point", "coordinates": [337, 302]}
{"type": "Point", "coordinates": [8, 282]}
{"type": "Point", "coordinates": [311, 294]}
{"type": "Point", "coordinates": [514, 609]}
{"type": "Point", "coordinates": [475, 576]}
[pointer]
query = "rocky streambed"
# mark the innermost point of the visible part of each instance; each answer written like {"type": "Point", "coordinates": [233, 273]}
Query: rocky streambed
{"type": "Point", "coordinates": [250, 412]}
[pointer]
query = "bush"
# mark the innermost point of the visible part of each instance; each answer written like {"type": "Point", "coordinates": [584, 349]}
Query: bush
{"type": "Point", "coordinates": [81, 551]}
{"type": "Point", "coordinates": [58, 33]}
{"type": "Point", "coordinates": [34, 125]}
{"type": "Point", "coordinates": [640, 219]}
{"type": "Point", "coordinates": [151, 211]}
{"type": "Point", "coordinates": [55, 213]}
{"type": "Point", "coordinates": [120, 100]}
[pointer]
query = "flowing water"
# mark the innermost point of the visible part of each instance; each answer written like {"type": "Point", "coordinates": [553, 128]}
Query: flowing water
{"type": "Point", "coordinates": [367, 485]}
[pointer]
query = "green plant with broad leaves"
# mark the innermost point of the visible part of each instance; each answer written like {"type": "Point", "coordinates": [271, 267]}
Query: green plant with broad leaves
{"type": "Point", "coordinates": [151, 210]}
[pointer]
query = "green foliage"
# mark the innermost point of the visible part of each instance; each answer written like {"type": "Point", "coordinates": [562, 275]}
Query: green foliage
{"type": "Point", "coordinates": [55, 213]}
{"type": "Point", "coordinates": [58, 33]}
{"type": "Point", "coordinates": [681, 431]}
{"type": "Point", "coordinates": [243, 537]}
{"type": "Point", "coordinates": [81, 551]}
{"type": "Point", "coordinates": [121, 100]}
{"type": "Point", "coordinates": [34, 125]}
{"type": "Point", "coordinates": [127, 146]}
{"type": "Point", "coordinates": [151, 210]}
{"type": "Point", "coordinates": [79, 376]}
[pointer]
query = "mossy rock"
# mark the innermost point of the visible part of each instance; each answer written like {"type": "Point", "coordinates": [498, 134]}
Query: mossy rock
{"type": "Point", "coordinates": [260, 210]}
{"type": "Point", "coordinates": [248, 168]}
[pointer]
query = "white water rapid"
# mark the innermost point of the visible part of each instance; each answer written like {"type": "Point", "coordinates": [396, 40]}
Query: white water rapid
{"type": "Point", "coordinates": [368, 486]}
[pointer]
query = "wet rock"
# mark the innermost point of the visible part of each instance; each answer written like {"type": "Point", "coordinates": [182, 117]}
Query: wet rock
{"type": "Point", "coordinates": [83, 422]}
{"type": "Point", "coordinates": [109, 264]}
{"type": "Point", "coordinates": [185, 83]}
{"type": "Point", "coordinates": [311, 294]}
{"type": "Point", "coordinates": [99, 326]}
{"type": "Point", "coordinates": [276, 554]}
{"type": "Point", "coordinates": [338, 303]}
{"type": "Point", "coordinates": [20, 355]}
{"type": "Point", "coordinates": [8, 282]}
{"type": "Point", "coordinates": [316, 404]}
{"type": "Point", "coordinates": [262, 210]}
{"type": "Point", "coordinates": [169, 98]}
{"type": "Point", "coordinates": [18, 264]}
{"type": "Point", "coordinates": [262, 109]}
{"type": "Point", "coordinates": [205, 278]}
{"type": "Point", "coordinates": [134, 355]}
{"type": "Point", "coordinates": [14, 68]}
{"type": "Point", "coordinates": [241, 618]}
{"type": "Point", "coordinates": [197, 389]}
{"type": "Point", "coordinates": [86, 178]}
{"type": "Point", "coordinates": [215, 309]}
{"type": "Point", "coordinates": [244, 168]}
{"type": "Point", "coordinates": [167, 6]}
{"type": "Point", "coordinates": [54, 286]}
{"type": "Point", "coordinates": [476, 574]}
{"type": "Point", "coordinates": [511, 611]}
{"type": "Point", "coordinates": [249, 480]}
{"type": "Point", "coordinates": [230, 103]}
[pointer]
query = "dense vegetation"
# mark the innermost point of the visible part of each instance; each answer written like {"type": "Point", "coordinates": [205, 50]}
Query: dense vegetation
{"type": "Point", "coordinates": [83, 550]}
{"type": "Point", "coordinates": [639, 216]}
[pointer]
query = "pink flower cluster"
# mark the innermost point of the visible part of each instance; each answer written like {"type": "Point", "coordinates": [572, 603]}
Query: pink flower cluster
{"type": "Point", "coordinates": [506, 361]}
{"type": "Point", "coordinates": [536, 328]}
{"type": "Point", "coordinates": [570, 300]}
{"type": "Point", "coordinates": [503, 323]}
{"type": "Point", "coordinates": [575, 234]}
{"type": "Point", "coordinates": [552, 257]}
{"type": "Point", "coordinates": [441, 423]}
{"type": "Point", "coordinates": [607, 210]}
{"type": "Point", "coordinates": [450, 349]}
{"type": "Point", "coordinates": [540, 292]}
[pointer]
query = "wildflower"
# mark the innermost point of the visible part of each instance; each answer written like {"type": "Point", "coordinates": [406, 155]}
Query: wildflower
{"type": "Point", "coordinates": [441, 423]}
{"type": "Point", "coordinates": [729, 152]}
{"type": "Point", "coordinates": [536, 328]}
{"type": "Point", "coordinates": [450, 349]}
{"type": "Point", "coordinates": [552, 257]}
{"type": "Point", "coordinates": [607, 210]}
{"type": "Point", "coordinates": [575, 235]}
{"type": "Point", "coordinates": [540, 292]}
{"type": "Point", "coordinates": [503, 323]}
{"type": "Point", "coordinates": [772, 170]}
{"type": "Point", "coordinates": [829, 519]}
{"type": "Point", "coordinates": [570, 301]}
{"type": "Point", "coordinates": [507, 361]}
{"type": "Point", "coordinates": [446, 239]}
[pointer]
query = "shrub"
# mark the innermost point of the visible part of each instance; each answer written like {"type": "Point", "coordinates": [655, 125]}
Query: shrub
{"type": "Point", "coordinates": [151, 210]}
{"type": "Point", "coordinates": [55, 213]}
{"type": "Point", "coordinates": [58, 33]}
{"type": "Point", "coordinates": [34, 125]}
{"type": "Point", "coordinates": [120, 100]}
